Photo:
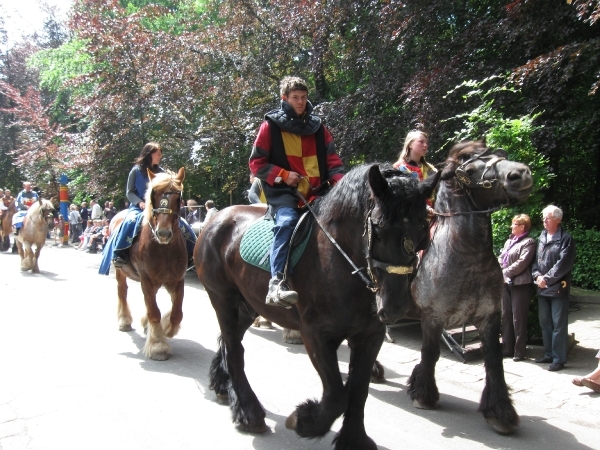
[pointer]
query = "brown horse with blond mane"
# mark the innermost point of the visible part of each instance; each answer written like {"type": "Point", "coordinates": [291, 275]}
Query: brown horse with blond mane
{"type": "Point", "coordinates": [33, 234]}
{"type": "Point", "coordinates": [157, 257]}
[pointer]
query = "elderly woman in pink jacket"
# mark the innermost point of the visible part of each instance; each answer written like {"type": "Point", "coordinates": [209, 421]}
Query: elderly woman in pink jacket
{"type": "Point", "coordinates": [516, 259]}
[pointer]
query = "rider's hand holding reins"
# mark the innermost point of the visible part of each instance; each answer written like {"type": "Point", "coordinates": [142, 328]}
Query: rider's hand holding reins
{"type": "Point", "coordinates": [293, 179]}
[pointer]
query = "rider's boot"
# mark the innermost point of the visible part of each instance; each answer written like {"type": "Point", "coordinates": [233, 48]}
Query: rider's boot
{"type": "Point", "coordinates": [16, 231]}
{"type": "Point", "coordinates": [119, 258]}
{"type": "Point", "coordinates": [279, 293]}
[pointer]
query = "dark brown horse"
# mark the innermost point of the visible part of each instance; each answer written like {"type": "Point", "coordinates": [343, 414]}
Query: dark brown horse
{"type": "Point", "coordinates": [6, 229]}
{"type": "Point", "coordinates": [377, 216]}
{"type": "Point", "coordinates": [459, 280]}
{"type": "Point", "coordinates": [157, 257]}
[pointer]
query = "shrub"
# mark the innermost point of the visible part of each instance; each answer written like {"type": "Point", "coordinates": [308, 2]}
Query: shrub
{"type": "Point", "coordinates": [586, 271]}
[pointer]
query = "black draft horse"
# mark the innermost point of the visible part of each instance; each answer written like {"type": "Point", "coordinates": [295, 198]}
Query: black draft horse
{"type": "Point", "coordinates": [459, 279]}
{"type": "Point", "coordinates": [378, 217]}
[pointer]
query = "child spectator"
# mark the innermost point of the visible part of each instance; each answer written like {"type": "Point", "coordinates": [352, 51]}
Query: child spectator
{"type": "Point", "coordinates": [85, 237]}
{"type": "Point", "coordinates": [58, 231]}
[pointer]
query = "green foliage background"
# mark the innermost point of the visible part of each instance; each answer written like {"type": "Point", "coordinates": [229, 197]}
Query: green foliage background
{"type": "Point", "coordinates": [83, 97]}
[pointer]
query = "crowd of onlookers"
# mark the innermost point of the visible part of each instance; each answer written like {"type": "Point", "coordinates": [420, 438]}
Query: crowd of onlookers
{"type": "Point", "coordinates": [89, 225]}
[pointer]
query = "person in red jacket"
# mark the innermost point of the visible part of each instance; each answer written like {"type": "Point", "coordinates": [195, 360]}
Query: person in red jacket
{"type": "Point", "coordinates": [293, 151]}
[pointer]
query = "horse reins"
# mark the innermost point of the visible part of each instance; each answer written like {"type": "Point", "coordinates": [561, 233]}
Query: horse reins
{"type": "Point", "coordinates": [370, 280]}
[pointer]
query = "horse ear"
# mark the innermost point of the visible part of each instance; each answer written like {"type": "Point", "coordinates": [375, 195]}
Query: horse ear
{"type": "Point", "coordinates": [377, 182]}
{"type": "Point", "coordinates": [448, 171]}
{"type": "Point", "coordinates": [427, 186]}
{"type": "Point", "coordinates": [181, 174]}
{"type": "Point", "coordinates": [501, 153]}
{"type": "Point", "coordinates": [151, 175]}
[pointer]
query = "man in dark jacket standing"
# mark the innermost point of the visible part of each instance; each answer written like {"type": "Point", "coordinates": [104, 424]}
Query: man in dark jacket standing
{"type": "Point", "coordinates": [551, 273]}
{"type": "Point", "coordinates": [292, 152]}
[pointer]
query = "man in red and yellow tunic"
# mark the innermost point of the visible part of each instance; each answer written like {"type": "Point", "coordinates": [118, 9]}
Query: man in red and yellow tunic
{"type": "Point", "coordinates": [292, 151]}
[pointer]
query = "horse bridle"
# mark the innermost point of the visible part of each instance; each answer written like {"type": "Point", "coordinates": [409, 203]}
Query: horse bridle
{"type": "Point", "coordinates": [163, 204]}
{"type": "Point", "coordinates": [370, 280]}
{"type": "Point", "coordinates": [467, 184]}
{"type": "Point", "coordinates": [372, 263]}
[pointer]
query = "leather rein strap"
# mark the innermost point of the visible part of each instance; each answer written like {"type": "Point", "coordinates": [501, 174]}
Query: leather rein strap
{"type": "Point", "coordinates": [370, 280]}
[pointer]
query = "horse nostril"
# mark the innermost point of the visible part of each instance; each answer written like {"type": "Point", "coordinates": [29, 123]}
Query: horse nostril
{"type": "Point", "coordinates": [382, 314]}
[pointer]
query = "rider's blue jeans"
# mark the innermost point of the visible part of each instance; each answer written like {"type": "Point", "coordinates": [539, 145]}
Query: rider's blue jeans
{"type": "Point", "coordinates": [285, 222]}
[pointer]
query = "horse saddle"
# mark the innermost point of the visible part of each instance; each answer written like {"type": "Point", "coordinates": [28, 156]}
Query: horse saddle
{"type": "Point", "coordinates": [257, 239]}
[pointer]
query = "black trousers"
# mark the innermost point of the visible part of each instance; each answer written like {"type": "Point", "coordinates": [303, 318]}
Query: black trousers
{"type": "Point", "coordinates": [515, 308]}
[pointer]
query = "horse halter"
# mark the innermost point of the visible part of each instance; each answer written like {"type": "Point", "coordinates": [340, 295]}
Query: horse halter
{"type": "Point", "coordinates": [164, 202]}
{"type": "Point", "coordinates": [372, 263]}
{"type": "Point", "coordinates": [370, 280]}
{"type": "Point", "coordinates": [467, 184]}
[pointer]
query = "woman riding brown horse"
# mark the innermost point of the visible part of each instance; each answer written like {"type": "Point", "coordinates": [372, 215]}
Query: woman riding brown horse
{"type": "Point", "coordinates": [158, 257]}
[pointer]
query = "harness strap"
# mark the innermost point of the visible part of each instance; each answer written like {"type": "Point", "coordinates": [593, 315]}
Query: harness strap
{"type": "Point", "coordinates": [359, 271]}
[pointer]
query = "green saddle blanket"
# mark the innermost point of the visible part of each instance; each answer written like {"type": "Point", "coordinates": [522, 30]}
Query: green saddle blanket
{"type": "Point", "coordinates": [256, 244]}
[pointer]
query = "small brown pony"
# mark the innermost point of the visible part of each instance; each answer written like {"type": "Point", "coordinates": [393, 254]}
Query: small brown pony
{"type": "Point", "coordinates": [7, 226]}
{"type": "Point", "coordinates": [33, 232]}
{"type": "Point", "coordinates": [157, 257]}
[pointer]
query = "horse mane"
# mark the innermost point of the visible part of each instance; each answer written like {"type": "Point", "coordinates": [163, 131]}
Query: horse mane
{"type": "Point", "coordinates": [457, 154]}
{"type": "Point", "coordinates": [40, 204]}
{"type": "Point", "coordinates": [161, 182]}
{"type": "Point", "coordinates": [352, 196]}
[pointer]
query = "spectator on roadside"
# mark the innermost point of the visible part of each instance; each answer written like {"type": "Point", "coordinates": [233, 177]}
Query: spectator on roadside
{"type": "Point", "coordinates": [85, 237]}
{"type": "Point", "coordinates": [210, 211]}
{"type": "Point", "coordinates": [75, 224]}
{"type": "Point", "coordinates": [96, 213]}
{"type": "Point", "coordinates": [193, 211]}
{"type": "Point", "coordinates": [109, 210]}
{"type": "Point", "coordinates": [551, 273]}
{"type": "Point", "coordinates": [591, 380]}
{"type": "Point", "coordinates": [59, 227]}
{"type": "Point", "coordinates": [95, 237]}
{"type": "Point", "coordinates": [84, 212]}
{"type": "Point", "coordinates": [515, 260]}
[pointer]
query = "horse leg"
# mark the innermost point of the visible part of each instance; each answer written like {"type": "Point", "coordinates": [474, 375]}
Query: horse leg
{"type": "Point", "coordinates": [292, 336]}
{"type": "Point", "coordinates": [314, 418]}
{"type": "Point", "coordinates": [495, 404]}
{"type": "Point", "coordinates": [123, 313]}
{"type": "Point", "coordinates": [171, 321]}
{"type": "Point", "coordinates": [220, 381]}
{"type": "Point", "coordinates": [156, 346]}
{"type": "Point", "coordinates": [227, 368]}
{"type": "Point", "coordinates": [421, 385]}
{"type": "Point", "coordinates": [36, 257]}
{"type": "Point", "coordinates": [363, 352]}
{"type": "Point", "coordinates": [25, 252]}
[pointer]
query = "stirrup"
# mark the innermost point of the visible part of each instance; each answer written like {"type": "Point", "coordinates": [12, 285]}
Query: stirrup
{"type": "Point", "coordinates": [119, 262]}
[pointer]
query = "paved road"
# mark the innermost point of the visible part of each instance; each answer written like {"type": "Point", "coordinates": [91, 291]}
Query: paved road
{"type": "Point", "coordinates": [70, 380]}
